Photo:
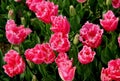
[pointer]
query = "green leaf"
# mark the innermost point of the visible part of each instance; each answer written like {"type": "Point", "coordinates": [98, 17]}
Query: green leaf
{"type": "Point", "coordinates": [22, 76]}
{"type": "Point", "coordinates": [1, 59]}
{"type": "Point", "coordinates": [42, 70]}
{"type": "Point", "coordinates": [101, 3]}
{"type": "Point", "coordinates": [75, 23]}
{"type": "Point", "coordinates": [106, 55]}
{"type": "Point", "coordinates": [66, 3]}
{"type": "Point", "coordinates": [49, 78]}
{"type": "Point", "coordinates": [28, 74]}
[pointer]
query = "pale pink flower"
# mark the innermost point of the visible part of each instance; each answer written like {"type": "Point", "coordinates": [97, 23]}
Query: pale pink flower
{"type": "Point", "coordinates": [109, 21]}
{"type": "Point", "coordinates": [91, 35]}
{"type": "Point", "coordinates": [81, 1]}
{"type": "Point", "coordinates": [119, 41]}
{"type": "Point", "coordinates": [116, 3]}
{"type": "Point", "coordinates": [112, 73]}
{"type": "Point", "coordinates": [60, 24]}
{"type": "Point", "coordinates": [61, 58]}
{"type": "Point", "coordinates": [66, 71]}
{"type": "Point", "coordinates": [86, 55]}
{"type": "Point", "coordinates": [41, 53]}
{"type": "Point", "coordinates": [14, 34]}
{"type": "Point", "coordinates": [32, 4]}
{"type": "Point", "coordinates": [15, 64]}
{"type": "Point", "coordinates": [59, 42]}
{"type": "Point", "coordinates": [46, 9]}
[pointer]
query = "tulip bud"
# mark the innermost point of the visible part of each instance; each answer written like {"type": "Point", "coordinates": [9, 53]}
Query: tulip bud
{"type": "Point", "coordinates": [76, 39]}
{"type": "Point", "coordinates": [29, 14]}
{"type": "Point", "coordinates": [33, 19]}
{"type": "Point", "coordinates": [34, 78]}
{"type": "Point", "coordinates": [17, 0]}
{"type": "Point", "coordinates": [16, 47]}
{"type": "Point", "coordinates": [72, 10]}
{"type": "Point", "coordinates": [8, 7]}
{"type": "Point", "coordinates": [30, 64]}
{"type": "Point", "coordinates": [108, 2]}
{"type": "Point", "coordinates": [23, 22]}
{"type": "Point", "coordinates": [11, 14]}
{"type": "Point", "coordinates": [119, 40]}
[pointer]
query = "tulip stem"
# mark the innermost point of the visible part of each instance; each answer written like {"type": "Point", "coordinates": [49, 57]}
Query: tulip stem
{"type": "Point", "coordinates": [27, 64]}
{"type": "Point", "coordinates": [11, 46]}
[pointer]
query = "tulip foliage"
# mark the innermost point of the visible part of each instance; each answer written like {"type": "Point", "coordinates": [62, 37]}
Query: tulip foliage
{"type": "Point", "coordinates": [59, 40]}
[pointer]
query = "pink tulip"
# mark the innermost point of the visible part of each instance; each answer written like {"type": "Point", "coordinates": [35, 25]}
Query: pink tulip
{"type": "Point", "coordinates": [110, 22]}
{"type": "Point", "coordinates": [119, 41]}
{"type": "Point", "coordinates": [59, 42]}
{"type": "Point", "coordinates": [81, 1]}
{"type": "Point", "coordinates": [15, 64]}
{"type": "Point", "coordinates": [14, 34]}
{"type": "Point", "coordinates": [91, 35]}
{"type": "Point", "coordinates": [34, 55]}
{"type": "Point", "coordinates": [112, 73]}
{"type": "Point", "coordinates": [86, 55]}
{"type": "Point", "coordinates": [114, 69]}
{"type": "Point", "coordinates": [49, 53]}
{"type": "Point", "coordinates": [67, 75]}
{"type": "Point", "coordinates": [104, 75]}
{"type": "Point", "coordinates": [65, 69]}
{"type": "Point", "coordinates": [41, 53]}
{"type": "Point", "coordinates": [60, 24]}
{"type": "Point", "coordinates": [46, 9]}
{"type": "Point", "coordinates": [116, 3]}
{"type": "Point", "coordinates": [32, 4]}
{"type": "Point", "coordinates": [61, 58]}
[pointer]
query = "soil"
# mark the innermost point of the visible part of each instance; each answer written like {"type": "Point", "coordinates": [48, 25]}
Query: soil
{"type": "Point", "coordinates": [4, 47]}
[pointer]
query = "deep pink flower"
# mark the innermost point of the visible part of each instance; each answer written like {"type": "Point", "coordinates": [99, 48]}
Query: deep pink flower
{"type": "Point", "coordinates": [32, 4]}
{"type": "Point", "coordinates": [112, 72]}
{"type": "Point", "coordinates": [66, 71]}
{"type": "Point", "coordinates": [119, 41]}
{"type": "Point", "coordinates": [15, 64]}
{"type": "Point", "coordinates": [114, 69]}
{"type": "Point", "coordinates": [116, 3]}
{"type": "Point", "coordinates": [104, 75]}
{"type": "Point", "coordinates": [46, 9]}
{"type": "Point", "coordinates": [35, 55]}
{"type": "Point", "coordinates": [49, 54]}
{"type": "Point", "coordinates": [61, 58]}
{"type": "Point", "coordinates": [14, 34]}
{"type": "Point", "coordinates": [86, 55]}
{"type": "Point", "coordinates": [59, 42]}
{"type": "Point", "coordinates": [60, 24]}
{"type": "Point", "coordinates": [81, 1]}
{"type": "Point", "coordinates": [91, 35]}
{"type": "Point", "coordinates": [110, 22]}
{"type": "Point", "coordinates": [40, 53]}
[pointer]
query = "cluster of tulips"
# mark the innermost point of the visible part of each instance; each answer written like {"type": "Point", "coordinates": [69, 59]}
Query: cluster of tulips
{"type": "Point", "coordinates": [55, 50]}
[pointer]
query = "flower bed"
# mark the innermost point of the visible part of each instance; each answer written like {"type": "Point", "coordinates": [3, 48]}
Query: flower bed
{"type": "Point", "coordinates": [54, 40]}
